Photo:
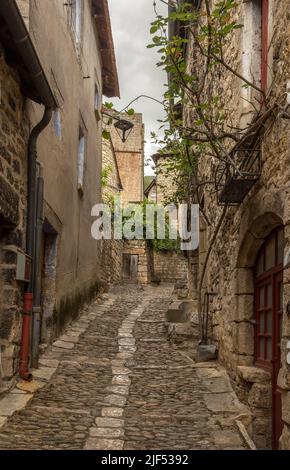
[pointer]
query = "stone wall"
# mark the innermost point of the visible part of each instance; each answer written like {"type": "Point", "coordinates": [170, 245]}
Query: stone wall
{"type": "Point", "coordinates": [111, 250]}
{"type": "Point", "coordinates": [230, 270]}
{"type": "Point", "coordinates": [14, 132]}
{"type": "Point", "coordinates": [141, 249]}
{"type": "Point", "coordinates": [112, 261]}
{"type": "Point", "coordinates": [169, 266]}
{"type": "Point", "coordinates": [166, 181]}
{"type": "Point", "coordinates": [113, 185]}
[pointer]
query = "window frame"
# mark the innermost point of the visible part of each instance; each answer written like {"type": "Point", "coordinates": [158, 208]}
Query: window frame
{"type": "Point", "coordinates": [57, 123]}
{"type": "Point", "coordinates": [81, 162]}
{"type": "Point", "coordinates": [76, 22]}
{"type": "Point", "coordinates": [97, 102]}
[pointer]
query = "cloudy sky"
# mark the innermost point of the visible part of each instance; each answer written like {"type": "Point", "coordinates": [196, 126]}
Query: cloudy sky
{"type": "Point", "coordinates": [138, 73]}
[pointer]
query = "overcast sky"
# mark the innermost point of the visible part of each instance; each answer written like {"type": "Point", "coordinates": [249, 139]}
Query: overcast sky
{"type": "Point", "coordinates": [138, 73]}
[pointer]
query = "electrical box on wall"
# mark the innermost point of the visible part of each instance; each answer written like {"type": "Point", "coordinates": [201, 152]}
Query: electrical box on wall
{"type": "Point", "coordinates": [23, 269]}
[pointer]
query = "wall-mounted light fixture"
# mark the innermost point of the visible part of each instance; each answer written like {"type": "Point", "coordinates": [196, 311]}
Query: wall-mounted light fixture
{"type": "Point", "coordinates": [122, 126]}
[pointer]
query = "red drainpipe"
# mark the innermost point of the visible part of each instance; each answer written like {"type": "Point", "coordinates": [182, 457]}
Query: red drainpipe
{"type": "Point", "coordinates": [25, 337]}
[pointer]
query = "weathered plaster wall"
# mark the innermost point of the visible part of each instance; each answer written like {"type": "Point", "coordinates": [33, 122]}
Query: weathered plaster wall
{"type": "Point", "coordinates": [73, 75]}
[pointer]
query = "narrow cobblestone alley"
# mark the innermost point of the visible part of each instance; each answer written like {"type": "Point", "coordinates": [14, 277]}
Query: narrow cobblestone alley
{"type": "Point", "coordinates": [115, 381]}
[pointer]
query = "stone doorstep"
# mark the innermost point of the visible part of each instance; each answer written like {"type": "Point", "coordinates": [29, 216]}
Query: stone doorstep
{"type": "Point", "coordinates": [224, 402]}
{"type": "Point", "coordinates": [254, 374]}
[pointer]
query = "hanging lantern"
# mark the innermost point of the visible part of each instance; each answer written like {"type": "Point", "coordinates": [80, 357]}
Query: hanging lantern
{"type": "Point", "coordinates": [124, 128]}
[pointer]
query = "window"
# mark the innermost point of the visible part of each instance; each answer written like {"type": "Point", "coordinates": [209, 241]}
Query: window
{"type": "Point", "coordinates": [81, 160]}
{"type": "Point", "coordinates": [255, 48]}
{"type": "Point", "coordinates": [57, 123]}
{"type": "Point", "coordinates": [76, 21]}
{"type": "Point", "coordinates": [97, 97]}
{"type": "Point", "coordinates": [97, 103]}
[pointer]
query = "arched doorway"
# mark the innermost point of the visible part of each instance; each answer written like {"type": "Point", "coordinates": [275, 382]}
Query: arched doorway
{"type": "Point", "coordinates": [268, 318]}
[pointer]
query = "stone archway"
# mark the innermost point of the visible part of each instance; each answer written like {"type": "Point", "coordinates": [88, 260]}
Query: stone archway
{"type": "Point", "coordinates": [255, 383]}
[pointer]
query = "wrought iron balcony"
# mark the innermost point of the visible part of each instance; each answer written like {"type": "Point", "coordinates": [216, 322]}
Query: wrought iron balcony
{"type": "Point", "coordinates": [237, 180]}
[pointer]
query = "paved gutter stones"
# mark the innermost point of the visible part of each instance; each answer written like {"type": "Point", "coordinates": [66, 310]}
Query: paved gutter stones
{"type": "Point", "coordinates": [109, 430]}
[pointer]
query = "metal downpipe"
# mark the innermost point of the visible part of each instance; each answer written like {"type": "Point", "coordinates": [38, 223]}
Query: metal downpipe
{"type": "Point", "coordinates": [30, 243]}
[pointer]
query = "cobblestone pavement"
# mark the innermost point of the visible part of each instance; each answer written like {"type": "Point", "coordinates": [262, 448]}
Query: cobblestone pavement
{"type": "Point", "coordinates": [115, 380]}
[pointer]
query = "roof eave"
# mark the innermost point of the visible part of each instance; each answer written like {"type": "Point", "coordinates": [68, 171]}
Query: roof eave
{"type": "Point", "coordinates": [109, 68]}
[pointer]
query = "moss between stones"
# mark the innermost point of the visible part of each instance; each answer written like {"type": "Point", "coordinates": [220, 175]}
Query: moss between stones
{"type": "Point", "coordinates": [70, 306]}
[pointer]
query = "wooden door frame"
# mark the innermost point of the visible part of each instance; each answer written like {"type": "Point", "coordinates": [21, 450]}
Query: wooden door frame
{"type": "Point", "coordinates": [273, 276]}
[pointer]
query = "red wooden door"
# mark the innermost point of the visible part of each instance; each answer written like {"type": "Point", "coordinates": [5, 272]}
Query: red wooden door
{"type": "Point", "coordinates": [269, 312]}
{"type": "Point", "coordinates": [276, 399]}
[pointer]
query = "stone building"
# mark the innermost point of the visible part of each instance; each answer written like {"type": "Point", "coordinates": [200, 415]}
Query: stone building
{"type": "Point", "coordinates": [247, 277]}
{"type": "Point", "coordinates": [123, 165]}
{"type": "Point", "coordinates": [130, 158]}
{"type": "Point", "coordinates": [165, 180]}
{"type": "Point", "coordinates": [18, 69]}
{"type": "Point", "coordinates": [111, 250]}
{"type": "Point", "coordinates": [69, 159]}
{"type": "Point", "coordinates": [112, 184]}
{"type": "Point", "coordinates": [150, 188]}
